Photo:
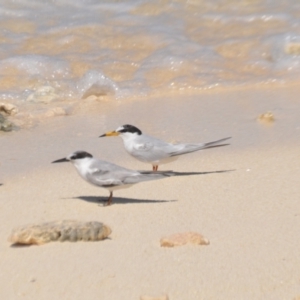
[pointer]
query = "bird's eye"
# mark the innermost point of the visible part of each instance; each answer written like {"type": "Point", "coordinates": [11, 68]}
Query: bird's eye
{"type": "Point", "coordinates": [72, 157]}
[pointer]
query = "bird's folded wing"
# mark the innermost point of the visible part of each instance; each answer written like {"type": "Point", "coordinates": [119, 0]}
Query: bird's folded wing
{"type": "Point", "coordinates": [152, 152]}
{"type": "Point", "coordinates": [104, 178]}
{"type": "Point", "coordinates": [139, 177]}
{"type": "Point", "coordinates": [143, 146]}
{"type": "Point", "coordinates": [116, 176]}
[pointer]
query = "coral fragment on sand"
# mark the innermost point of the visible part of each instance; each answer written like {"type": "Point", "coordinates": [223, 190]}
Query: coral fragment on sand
{"type": "Point", "coordinates": [8, 108]}
{"type": "Point", "coordinates": [292, 48]}
{"type": "Point", "coordinates": [267, 117]}
{"type": "Point", "coordinates": [5, 125]}
{"type": "Point", "coordinates": [68, 230]}
{"type": "Point", "coordinates": [56, 111]}
{"type": "Point", "coordinates": [184, 238]}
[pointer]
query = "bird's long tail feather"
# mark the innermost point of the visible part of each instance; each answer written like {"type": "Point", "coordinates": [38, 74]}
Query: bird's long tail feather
{"type": "Point", "coordinates": [172, 173]}
{"type": "Point", "coordinates": [188, 148]}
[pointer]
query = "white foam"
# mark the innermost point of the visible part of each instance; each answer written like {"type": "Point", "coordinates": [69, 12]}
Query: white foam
{"type": "Point", "coordinates": [96, 83]}
{"type": "Point", "coordinates": [139, 47]}
{"type": "Point", "coordinates": [37, 65]}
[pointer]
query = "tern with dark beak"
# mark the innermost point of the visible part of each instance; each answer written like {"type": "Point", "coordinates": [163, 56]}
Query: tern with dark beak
{"type": "Point", "coordinates": [113, 177]}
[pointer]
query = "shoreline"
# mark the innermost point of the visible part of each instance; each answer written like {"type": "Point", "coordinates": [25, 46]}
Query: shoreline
{"type": "Point", "coordinates": [250, 215]}
{"type": "Point", "coordinates": [213, 116]}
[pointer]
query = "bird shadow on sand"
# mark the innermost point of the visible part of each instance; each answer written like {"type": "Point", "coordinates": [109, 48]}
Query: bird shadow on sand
{"type": "Point", "coordinates": [119, 200]}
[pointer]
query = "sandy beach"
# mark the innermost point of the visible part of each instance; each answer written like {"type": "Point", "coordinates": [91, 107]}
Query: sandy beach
{"type": "Point", "coordinates": [250, 215]}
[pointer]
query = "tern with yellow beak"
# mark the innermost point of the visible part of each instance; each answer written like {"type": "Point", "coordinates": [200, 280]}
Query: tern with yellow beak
{"type": "Point", "coordinates": [151, 150]}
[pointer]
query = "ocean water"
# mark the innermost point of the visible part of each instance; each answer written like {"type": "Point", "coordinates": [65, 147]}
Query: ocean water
{"type": "Point", "coordinates": [71, 49]}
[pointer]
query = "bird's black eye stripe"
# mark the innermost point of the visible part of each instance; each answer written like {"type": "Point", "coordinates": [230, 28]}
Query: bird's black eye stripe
{"type": "Point", "coordinates": [131, 129]}
{"type": "Point", "coordinates": [80, 154]}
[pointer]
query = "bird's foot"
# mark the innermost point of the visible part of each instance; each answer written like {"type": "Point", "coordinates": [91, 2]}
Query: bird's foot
{"type": "Point", "coordinates": [154, 168]}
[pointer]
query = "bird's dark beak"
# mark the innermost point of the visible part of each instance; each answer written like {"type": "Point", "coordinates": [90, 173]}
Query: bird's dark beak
{"type": "Point", "coordinates": [111, 133]}
{"type": "Point", "coordinates": [60, 160]}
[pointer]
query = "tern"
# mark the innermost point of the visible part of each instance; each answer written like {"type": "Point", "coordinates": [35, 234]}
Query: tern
{"type": "Point", "coordinates": [151, 150]}
{"type": "Point", "coordinates": [113, 177]}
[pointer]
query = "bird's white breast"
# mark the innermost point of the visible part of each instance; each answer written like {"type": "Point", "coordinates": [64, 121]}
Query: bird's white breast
{"type": "Point", "coordinates": [129, 141]}
{"type": "Point", "coordinates": [83, 167]}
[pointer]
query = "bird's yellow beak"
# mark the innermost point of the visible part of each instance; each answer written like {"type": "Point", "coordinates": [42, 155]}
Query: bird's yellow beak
{"type": "Point", "coordinates": [111, 133]}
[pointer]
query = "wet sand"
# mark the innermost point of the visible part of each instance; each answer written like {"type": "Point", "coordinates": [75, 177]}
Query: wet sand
{"type": "Point", "coordinates": [250, 215]}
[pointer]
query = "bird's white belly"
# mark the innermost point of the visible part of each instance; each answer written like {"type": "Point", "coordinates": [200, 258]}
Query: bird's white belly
{"type": "Point", "coordinates": [150, 158]}
{"type": "Point", "coordinates": [119, 187]}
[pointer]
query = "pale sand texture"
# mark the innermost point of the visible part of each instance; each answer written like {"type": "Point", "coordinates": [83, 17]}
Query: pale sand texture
{"type": "Point", "coordinates": [251, 216]}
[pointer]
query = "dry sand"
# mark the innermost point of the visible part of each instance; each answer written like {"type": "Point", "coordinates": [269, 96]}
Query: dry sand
{"type": "Point", "coordinates": [251, 216]}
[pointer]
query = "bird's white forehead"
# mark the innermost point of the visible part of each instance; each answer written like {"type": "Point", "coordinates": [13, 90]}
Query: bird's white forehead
{"type": "Point", "coordinates": [70, 155]}
{"type": "Point", "coordinates": [120, 128]}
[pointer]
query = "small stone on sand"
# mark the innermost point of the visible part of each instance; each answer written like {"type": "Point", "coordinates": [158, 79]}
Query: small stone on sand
{"type": "Point", "coordinates": [184, 238]}
{"type": "Point", "coordinates": [5, 125]}
{"type": "Point", "coordinates": [8, 108]}
{"type": "Point", "coordinates": [267, 117]}
{"type": "Point", "coordinates": [56, 111]}
{"type": "Point", "coordinates": [292, 48]}
{"type": "Point", "coordinates": [68, 230]}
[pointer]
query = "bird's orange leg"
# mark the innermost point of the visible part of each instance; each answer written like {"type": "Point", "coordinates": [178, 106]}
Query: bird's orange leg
{"type": "Point", "coordinates": [109, 200]}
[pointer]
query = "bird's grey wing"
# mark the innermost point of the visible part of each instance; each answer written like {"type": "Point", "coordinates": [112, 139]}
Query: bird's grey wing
{"type": "Point", "coordinates": [151, 149]}
{"type": "Point", "coordinates": [150, 175]}
{"type": "Point", "coordinates": [144, 147]}
{"type": "Point", "coordinates": [108, 174]}
{"type": "Point", "coordinates": [102, 178]}
{"type": "Point", "coordinates": [120, 177]}
{"type": "Point", "coordinates": [188, 148]}
{"type": "Point", "coordinates": [139, 176]}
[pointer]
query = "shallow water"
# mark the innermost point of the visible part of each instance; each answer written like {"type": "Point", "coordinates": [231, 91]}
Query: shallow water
{"type": "Point", "coordinates": [58, 50]}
